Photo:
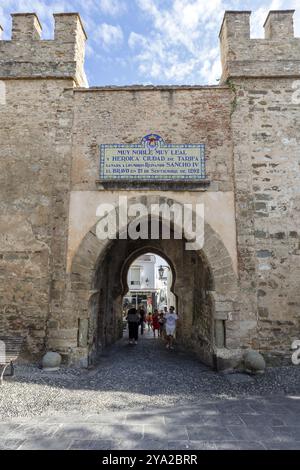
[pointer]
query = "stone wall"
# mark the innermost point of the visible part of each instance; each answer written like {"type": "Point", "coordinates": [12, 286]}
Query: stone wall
{"type": "Point", "coordinates": [34, 193]}
{"type": "Point", "coordinates": [36, 118]}
{"type": "Point", "coordinates": [268, 208]}
{"type": "Point", "coordinates": [178, 114]}
{"type": "Point", "coordinates": [203, 325]}
{"type": "Point", "coordinates": [265, 132]}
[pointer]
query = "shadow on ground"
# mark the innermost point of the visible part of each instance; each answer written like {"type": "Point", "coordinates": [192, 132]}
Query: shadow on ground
{"type": "Point", "coordinates": [129, 377]}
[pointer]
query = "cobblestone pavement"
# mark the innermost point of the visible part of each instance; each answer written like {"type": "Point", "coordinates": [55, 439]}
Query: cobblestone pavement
{"type": "Point", "coordinates": [145, 397]}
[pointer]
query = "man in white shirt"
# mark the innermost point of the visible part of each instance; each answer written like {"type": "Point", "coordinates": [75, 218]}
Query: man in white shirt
{"type": "Point", "coordinates": [171, 319]}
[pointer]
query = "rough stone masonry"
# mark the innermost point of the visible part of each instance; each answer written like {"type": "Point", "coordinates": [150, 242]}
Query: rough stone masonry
{"type": "Point", "coordinates": [61, 288]}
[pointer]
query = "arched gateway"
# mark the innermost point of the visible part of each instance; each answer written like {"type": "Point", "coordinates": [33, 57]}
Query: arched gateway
{"type": "Point", "coordinates": [204, 284]}
{"type": "Point", "coordinates": [233, 147]}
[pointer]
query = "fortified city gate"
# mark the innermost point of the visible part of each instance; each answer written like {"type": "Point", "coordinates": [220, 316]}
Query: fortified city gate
{"type": "Point", "coordinates": [67, 148]}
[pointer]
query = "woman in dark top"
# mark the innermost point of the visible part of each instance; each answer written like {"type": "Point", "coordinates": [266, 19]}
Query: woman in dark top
{"type": "Point", "coordinates": [133, 319]}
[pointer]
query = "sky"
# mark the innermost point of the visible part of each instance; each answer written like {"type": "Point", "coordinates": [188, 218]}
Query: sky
{"type": "Point", "coordinates": [167, 42]}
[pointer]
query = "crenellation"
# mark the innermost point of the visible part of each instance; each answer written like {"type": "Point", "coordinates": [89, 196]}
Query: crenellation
{"type": "Point", "coordinates": [25, 27]}
{"type": "Point", "coordinates": [235, 29]}
{"type": "Point", "coordinates": [236, 25]}
{"type": "Point", "coordinates": [27, 56]}
{"type": "Point", "coordinates": [68, 27]}
{"type": "Point", "coordinates": [279, 24]}
{"type": "Point", "coordinates": [276, 55]}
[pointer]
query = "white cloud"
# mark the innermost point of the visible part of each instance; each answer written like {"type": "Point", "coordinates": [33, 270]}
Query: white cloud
{"type": "Point", "coordinates": [109, 35]}
{"type": "Point", "coordinates": [180, 42]}
{"type": "Point", "coordinates": [89, 51]}
{"type": "Point", "coordinates": [183, 44]}
{"type": "Point", "coordinates": [136, 40]}
{"type": "Point", "coordinates": [185, 21]}
{"type": "Point", "coordinates": [112, 7]}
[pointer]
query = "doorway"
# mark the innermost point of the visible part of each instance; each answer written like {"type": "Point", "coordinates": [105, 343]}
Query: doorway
{"type": "Point", "coordinates": [203, 282]}
{"type": "Point", "coordinates": [190, 286]}
{"type": "Point", "coordinates": [150, 283]}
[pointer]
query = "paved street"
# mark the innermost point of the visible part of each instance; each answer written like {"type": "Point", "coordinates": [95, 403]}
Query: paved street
{"type": "Point", "coordinates": [235, 424]}
{"type": "Point", "coordinates": [144, 397]}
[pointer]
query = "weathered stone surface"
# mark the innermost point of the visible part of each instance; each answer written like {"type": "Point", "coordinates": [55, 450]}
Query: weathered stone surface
{"type": "Point", "coordinates": [254, 362]}
{"type": "Point", "coordinates": [26, 56]}
{"type": "Point", "coordinates": [51, 361]}
{"type": "Point", "coordinates": [228, 359]}
{"type": "Point", "coordinates": [83, 332]}
{"type": "Point", "coordinates": [275, 56]}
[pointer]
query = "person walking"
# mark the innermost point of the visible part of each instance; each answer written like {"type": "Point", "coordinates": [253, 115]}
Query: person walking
{"type": "Point", "coordinates": [142, 314]}
{"type": "Point", "coordinates": [171, 319]}
{"type": "Point", "coordinates": [149, 321]}
{"type": "Point", "coordinates": [133, 319]}
{"type": "Point", "coordinates": [155, 323]}
{"type": "Point", "coordinates": [161, 321]}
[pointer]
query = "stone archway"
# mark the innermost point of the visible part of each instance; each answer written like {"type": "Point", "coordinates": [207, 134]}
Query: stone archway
{"type": "Point", "coordinates": [150, 249]}
{"type": "Point", "coordinates": [205, 285]}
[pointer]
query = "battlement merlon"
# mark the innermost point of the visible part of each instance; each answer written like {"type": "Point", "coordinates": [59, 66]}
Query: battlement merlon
{"type": "Point", "coordinates": [279, 24]}
{"type": "Point", "coordinates": [25, 27]}
{"type": "Point", "coordinates": [27, 56]}
{"type": "Point", "coordinates": [278, 54]}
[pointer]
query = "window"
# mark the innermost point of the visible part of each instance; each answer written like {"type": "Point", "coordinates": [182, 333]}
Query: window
{"type": "Point", "coordinates": [135, 276]}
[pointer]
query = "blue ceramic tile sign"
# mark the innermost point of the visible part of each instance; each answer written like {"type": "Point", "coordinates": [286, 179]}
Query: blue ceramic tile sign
{"type": "Point", "coordinates": [152, 160]}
